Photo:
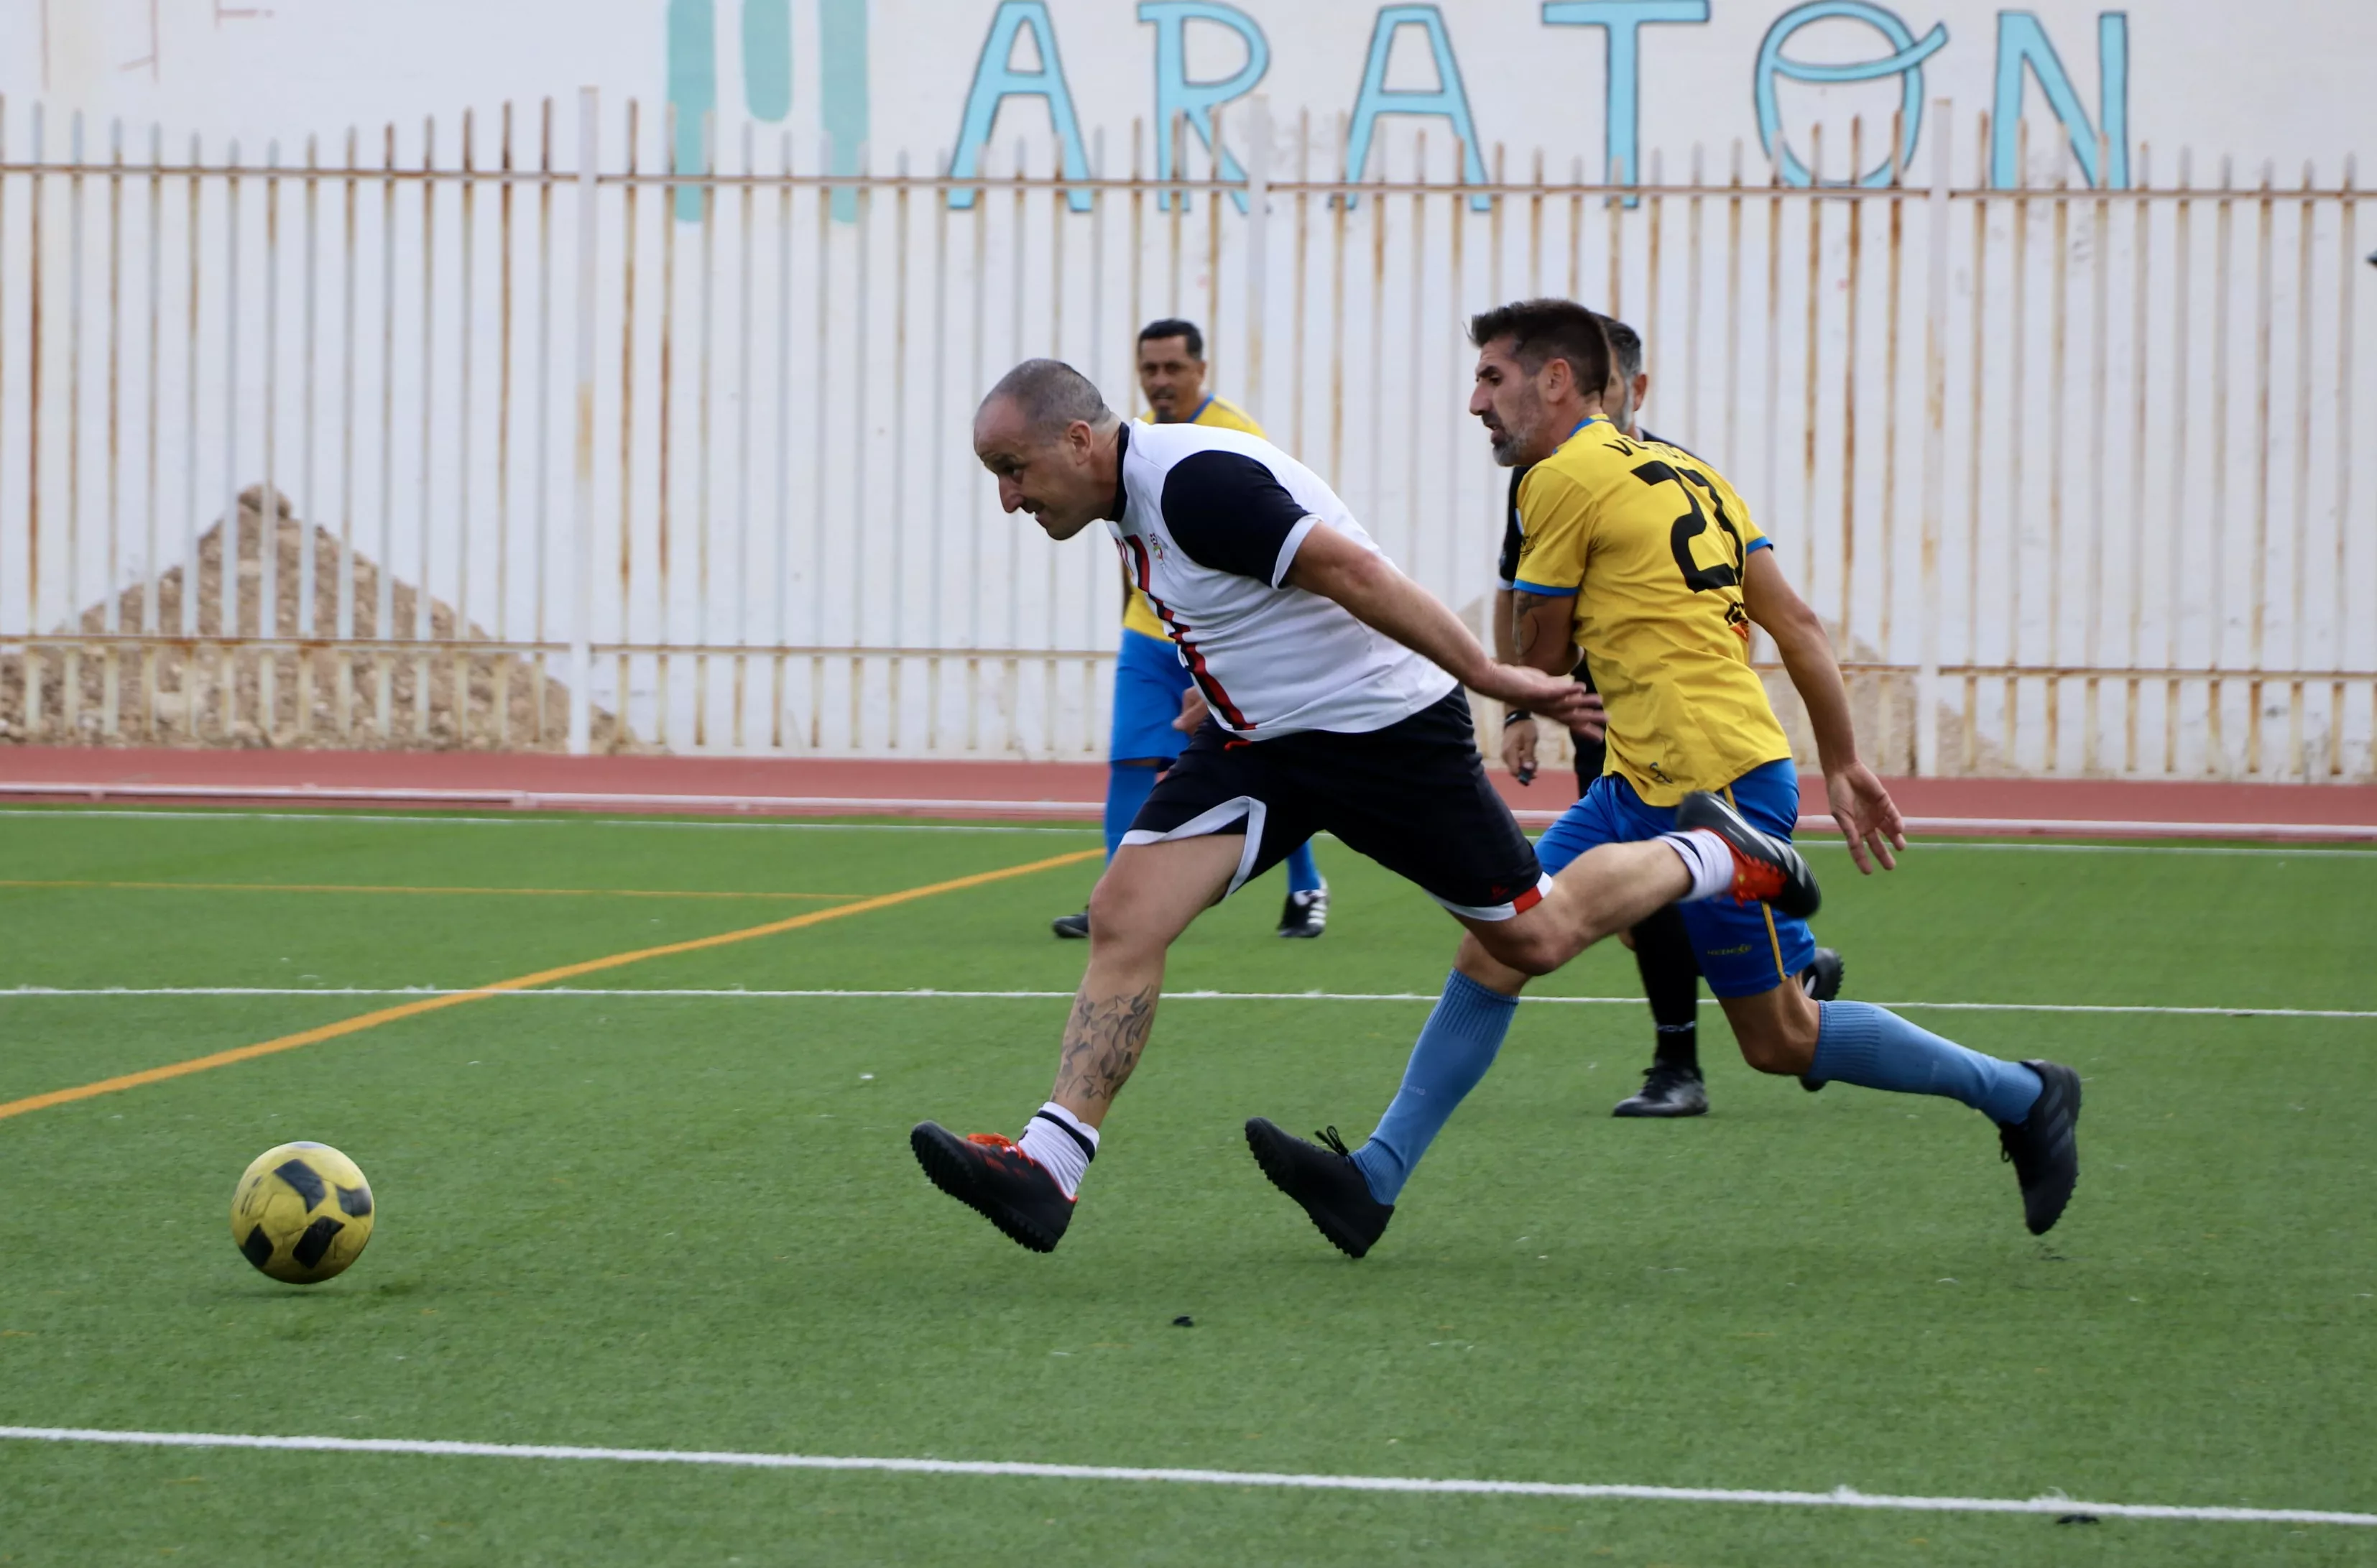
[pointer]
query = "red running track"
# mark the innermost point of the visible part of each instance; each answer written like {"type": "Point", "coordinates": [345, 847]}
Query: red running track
{"type": "Point", "coordinates": [1051, 791]}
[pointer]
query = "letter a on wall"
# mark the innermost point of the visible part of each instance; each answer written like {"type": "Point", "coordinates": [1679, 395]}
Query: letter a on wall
{"type": "Point", "coordinates": [1446, 101]}
{"type": "Point", "coordinates": [996, 79]}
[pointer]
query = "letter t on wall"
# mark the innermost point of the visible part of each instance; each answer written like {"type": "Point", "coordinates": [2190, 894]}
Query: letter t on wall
{"type": "Point", "coordinates": [1625, 20]}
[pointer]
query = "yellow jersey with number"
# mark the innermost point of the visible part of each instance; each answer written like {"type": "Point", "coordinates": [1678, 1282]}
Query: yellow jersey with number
{"type": "Point", "coordinates": [1137, 613]}
{"type": "Point", "coordinates": [1651, 543]}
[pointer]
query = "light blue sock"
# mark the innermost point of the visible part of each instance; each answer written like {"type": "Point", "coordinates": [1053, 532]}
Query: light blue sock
{"type": "Point", "coordinates": [1458, 1044]}
{"type": "Point", "coordinates": [1859, 1043]}
{"type": "Point", "coordinates": [1127, 788]}
{"type": "Point", "coordinates": [1303, 876]}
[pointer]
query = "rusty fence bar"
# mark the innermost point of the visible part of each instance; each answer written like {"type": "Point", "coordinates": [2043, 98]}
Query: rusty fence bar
{"type": "Point", "coordinates": [283, 435]}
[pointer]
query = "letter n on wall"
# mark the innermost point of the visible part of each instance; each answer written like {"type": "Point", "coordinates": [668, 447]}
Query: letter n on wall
{"type": "Point", "coordinates": [2024, 47]}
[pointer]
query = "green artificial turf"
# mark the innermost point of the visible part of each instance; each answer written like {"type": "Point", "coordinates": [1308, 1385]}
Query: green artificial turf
{"type": "Point", "coordinates": [693, 1223]}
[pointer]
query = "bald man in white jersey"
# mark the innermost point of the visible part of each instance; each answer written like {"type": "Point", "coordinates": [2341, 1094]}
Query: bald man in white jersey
{"type": "Point", "coordinates": [1336, 685]}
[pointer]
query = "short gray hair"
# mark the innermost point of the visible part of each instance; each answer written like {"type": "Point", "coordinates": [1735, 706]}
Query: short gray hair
{"type": "Point", "coordinates": [1625, 346]}
{"type": "Point", "coordinates": [1051, 395]}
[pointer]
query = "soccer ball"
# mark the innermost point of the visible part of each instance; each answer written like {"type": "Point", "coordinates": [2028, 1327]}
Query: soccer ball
{"type": "Point", "coordinates": [301, 1212]}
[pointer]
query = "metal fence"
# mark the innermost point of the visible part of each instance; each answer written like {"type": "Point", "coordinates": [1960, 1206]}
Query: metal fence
{"type": "Point", "coordinates": [510, 434]}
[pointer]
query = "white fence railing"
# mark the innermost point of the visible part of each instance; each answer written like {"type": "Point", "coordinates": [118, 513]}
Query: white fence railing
{"type": "Point", "coordinates": [510, 435]}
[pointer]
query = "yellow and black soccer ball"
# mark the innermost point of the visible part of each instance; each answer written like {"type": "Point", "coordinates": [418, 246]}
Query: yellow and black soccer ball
{"type": "Point", "coordinates": [301, 1212]}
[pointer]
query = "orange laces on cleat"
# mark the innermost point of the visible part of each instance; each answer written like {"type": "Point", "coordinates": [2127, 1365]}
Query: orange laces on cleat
{"type": "Point", "coordinates": [991, 1140]}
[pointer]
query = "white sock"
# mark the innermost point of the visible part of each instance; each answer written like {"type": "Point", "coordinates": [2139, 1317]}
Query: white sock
{"type": "Point", "coordinates": [1709, 859]}
{"type": "Point", "coordinates": [1061, 1144]}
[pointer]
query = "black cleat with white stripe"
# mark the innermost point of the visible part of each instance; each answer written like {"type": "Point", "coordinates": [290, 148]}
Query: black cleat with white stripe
{"type": "Point", "coordinates": [1305, 914]}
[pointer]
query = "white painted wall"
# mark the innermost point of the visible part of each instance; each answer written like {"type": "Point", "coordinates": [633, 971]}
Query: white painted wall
{"type": "Point", "coordinates": [2219, 534]}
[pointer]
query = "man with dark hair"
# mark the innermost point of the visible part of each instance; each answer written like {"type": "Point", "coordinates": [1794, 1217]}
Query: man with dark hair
{"type": "Point", "coordinates": [1156, 703]}
{"type": "Point", "coordinates": [1673, 1085]}
{"type": "Point", "coordinates": [1646, 561]}
{"type": "Point", "coordinates": [1335, 687]}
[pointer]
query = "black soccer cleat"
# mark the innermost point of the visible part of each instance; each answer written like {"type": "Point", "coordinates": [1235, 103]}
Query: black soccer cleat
{"type": "Point", "coordinates": [1666, 1092]}
{"type": "Point", "coordinates": [1767, 869]}
{"type": "Point", "coordinates": [1821, 981]}
{"type": "Point", "coordinates": [1305, 914]}
{"type": "Point", "coordinates": [1074, 927]}
{"type": "Point", "coordinates": [1326, 1181]}
{"type": "Point", "coordinates": [998, 1180]}
{"type": "Point", "coordinates": [2045, 1148]}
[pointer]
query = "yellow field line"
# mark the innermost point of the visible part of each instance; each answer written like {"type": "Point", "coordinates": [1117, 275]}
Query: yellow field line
{"type": "Point", "coordinates": [366, 887]}
{"type": "Point", "coordinates": [521, 983]}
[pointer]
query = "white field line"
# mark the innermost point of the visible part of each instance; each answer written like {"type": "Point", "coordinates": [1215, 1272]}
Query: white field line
{"type": "Point", "coordinates": [615, 993]}
{"type": "Point", "coordinates": [1843, 1497]}
{"type": "Point", "coordinates": [1819, 831]}
{"type": "Point", "coordinates": [529, 801]}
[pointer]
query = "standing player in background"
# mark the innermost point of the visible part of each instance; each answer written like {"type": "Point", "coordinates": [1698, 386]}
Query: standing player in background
{"type": "Point", "coordinates": [1156, 705]}
{"type": "Point", "coordinates": [1647, 562]}
{"type": "Point", "coordinates": [1672, 1087]}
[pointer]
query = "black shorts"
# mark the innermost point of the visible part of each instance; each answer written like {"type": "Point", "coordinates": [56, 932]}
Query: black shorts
{"type": "Point", "coordinates": [1413, 796]}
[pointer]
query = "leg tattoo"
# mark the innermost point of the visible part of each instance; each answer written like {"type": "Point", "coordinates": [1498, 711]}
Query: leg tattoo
{"type": "Point", "coordinates": [1103, 1039]}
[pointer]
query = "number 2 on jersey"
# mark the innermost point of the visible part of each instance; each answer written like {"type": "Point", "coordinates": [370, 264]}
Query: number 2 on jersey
{"type": "Point", "coordinates": [1692, 524]}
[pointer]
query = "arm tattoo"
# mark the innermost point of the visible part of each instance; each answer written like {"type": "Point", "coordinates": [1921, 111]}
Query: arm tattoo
{"type": "Point", "coordinates": [1539, 625]}
{"type": "Point", "coordinates": [1103, 1039]}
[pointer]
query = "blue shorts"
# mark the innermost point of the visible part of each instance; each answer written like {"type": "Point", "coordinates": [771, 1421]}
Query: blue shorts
{"type": "Point", "coordinates": [1149, 679]}
{"type": "Point", "coordinates": [1745, 950]}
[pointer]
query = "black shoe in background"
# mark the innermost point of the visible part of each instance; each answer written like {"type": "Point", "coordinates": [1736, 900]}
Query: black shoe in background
{"type": "Point", "coordinates": [1305, 914]}
{"type": "Point", "coordinates": [1821, 981]}
{"type": "Point", "coordinates": [1666, 1092]}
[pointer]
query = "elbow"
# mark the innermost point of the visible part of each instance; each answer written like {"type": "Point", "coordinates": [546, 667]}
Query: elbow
{"type": "Point", "coordinates": [1358, 580]}
{"type": "Point", "coordinates": [1800, 632]}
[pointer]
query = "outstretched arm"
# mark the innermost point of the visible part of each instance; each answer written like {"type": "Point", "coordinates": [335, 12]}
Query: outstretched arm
{"type": "Point", "coordinates": [1867, 817]}
{"type": "Point", "coordinates": [1373, 591]}
{"type": "Point", "coordinates": [1518, 724]}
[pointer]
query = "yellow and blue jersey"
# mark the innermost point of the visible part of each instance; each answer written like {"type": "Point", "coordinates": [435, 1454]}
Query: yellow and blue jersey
{"type": "Point", "coordinates": [1137, 613]}
{"type": "Point", "coordinates": [1651, 542]}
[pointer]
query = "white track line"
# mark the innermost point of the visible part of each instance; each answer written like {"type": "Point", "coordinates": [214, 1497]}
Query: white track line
{"type": "Point", "coordinates": [574, 821]}
{"type": "Point", "coordinates": [1819, 831]}
{"type": "Point", "coordinates": [931, 994]}
{"type": "Point", "coordinates": [544, 799]}
{"type": "Point", "coordinates": [1843, 1497]}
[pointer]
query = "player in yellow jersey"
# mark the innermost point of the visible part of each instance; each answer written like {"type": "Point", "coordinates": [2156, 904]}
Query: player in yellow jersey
{"type": "Point", "coordinates": [1645, 560]}
{"type": "Point", "coordinates": [1156, 705]}
{"type": "Point", "coordinates": [1663, 955]}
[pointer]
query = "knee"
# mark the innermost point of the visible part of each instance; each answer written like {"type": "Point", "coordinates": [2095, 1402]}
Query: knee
{"type": "Point", "coordinates": [1780, 1047]}
{"type": "Point", "coordinates": [1533, 952]}
{"type": "Point", "coordinates": [1775, 1054]}
{"type": "Point", "coordinates": [1117, 916]}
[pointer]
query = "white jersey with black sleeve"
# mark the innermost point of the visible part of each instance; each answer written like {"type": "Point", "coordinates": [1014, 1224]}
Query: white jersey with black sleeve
{"type": "Point", "coordinates": [1209, 521]}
